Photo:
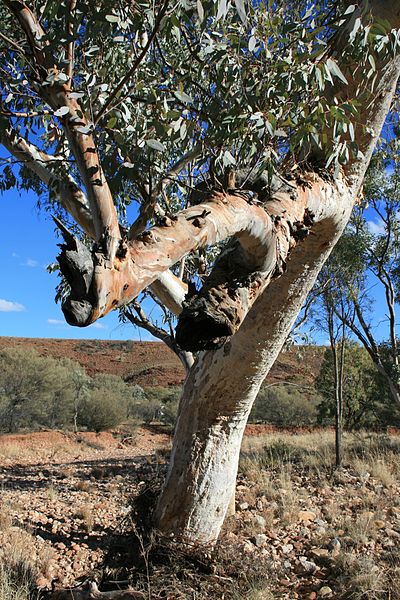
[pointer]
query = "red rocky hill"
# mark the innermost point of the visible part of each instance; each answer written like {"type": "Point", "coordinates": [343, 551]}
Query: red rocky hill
{"type": "Point", "coordinates": [151, 364]}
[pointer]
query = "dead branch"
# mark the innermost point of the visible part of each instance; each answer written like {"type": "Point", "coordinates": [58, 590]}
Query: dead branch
{"type": "Point", "coordinates": [91, 592]}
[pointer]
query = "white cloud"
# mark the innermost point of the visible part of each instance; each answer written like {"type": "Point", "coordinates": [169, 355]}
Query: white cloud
{"type": "Point", "coordinates": [376, 227]}
{"type": "Point", "coordinates": [97, 325]}
{"type": "Point", "coordinates": [30, 263]}
{"type": "Point", "coordinates": [7, 306]}
{"type": "Point", "coordinates": [55, 322]}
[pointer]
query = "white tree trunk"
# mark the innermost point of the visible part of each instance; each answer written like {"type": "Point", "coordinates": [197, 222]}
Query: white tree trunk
{"type": "Point", "coordinates": [220, 390]}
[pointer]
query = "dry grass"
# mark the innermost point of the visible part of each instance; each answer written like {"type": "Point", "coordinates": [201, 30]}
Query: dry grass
{"type": "Point", "coordinates": [368, 454]}
{"type": "Point", "coordinates": [21, 564]}
{"type": "Point", "coordinates": [362, 578]}
{"type": "Point", "coordinates": [84, 486]}
{"type": "Point", "coordinates": [51, 493]}
{"type": "Point", "coordinates": [5, 517]}
{"type": "Point", "coordinates": [9, 450]}
{"type": "Point", "coordinates": [86, 514]}
{"type": "Point", "coordinates": [356, 508]}
{"type": "Point", "coordinates": [261, 592]}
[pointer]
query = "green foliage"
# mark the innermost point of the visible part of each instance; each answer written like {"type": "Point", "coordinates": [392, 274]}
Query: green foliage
{"type": "Point", "coordinates": [35, 391]}
{"type": "Point", "coordinates": [157, 404]}
{"type": "Point", "coordinates": [147, 408]}
{"type": "Point", "coordinates": [107, 404]}
{"type": "Point", "coordinates": [244, 84]}
{"type": "Point", "coordinates": [366, 401]}
{"type": "Point", "coordinates": [170, 407]}
{"type": "Point", "coordinates": [101, 411]}
{"type": "Point", "coordinates": [285, 406]}
{"type": "Point", "coordinates": [38, 391]}
{"type": "Point", "coordinates": [42, 392]}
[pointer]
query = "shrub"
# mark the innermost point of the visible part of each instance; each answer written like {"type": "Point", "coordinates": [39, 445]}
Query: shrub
{"type": "Point", "coordinates": [366, 400]}
{"type": "Point", "coordinates": [101, 411]}
{"type": "Point", "coordinates": [156, 404]}
{"type": "Point", "coordinates": [35, 391]}
{"type": "Point", "coordinates": [285, 406]}
{"type": "Point", "coordinates": [169, 410]}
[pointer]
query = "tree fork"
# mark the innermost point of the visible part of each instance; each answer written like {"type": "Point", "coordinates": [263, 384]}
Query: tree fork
{"type": "Point", "coordinates": [221, 388]}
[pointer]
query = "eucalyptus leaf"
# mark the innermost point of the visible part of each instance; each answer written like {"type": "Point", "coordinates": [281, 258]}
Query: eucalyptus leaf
{"type": "Point", "coordinates": [183, 97]}
{"type": "Point", "coordinates": [61, 112]}
{"type": "Point", "coordinates": [200, 10]}
{"type": "Point", "coordinates": [335, 70]}
{"type": "Point", "coordinates": [155, 145]}
{"type": "Point", "coordinates": [112, 18]}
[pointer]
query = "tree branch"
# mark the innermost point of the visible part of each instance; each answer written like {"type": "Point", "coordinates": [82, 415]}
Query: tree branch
{"type": "Point", "coordinates": [78, 131]}
{"type": "Point", "coordinates": [71, 44]}
{"type": "Point", "coordinates": [168, 288]}
{"type": "Point", "coordinates": [265, 237]}
{"type": "Point", "coordinates": [55, 173]}
{"type": "Point", "coordinates": [141, 320]}
{"type": "Point", "coordinates": [148, 207]}
{"type": "Point", "coordinates": [11, 42]}
{"type": "Point", "coordinates": [91, 592]}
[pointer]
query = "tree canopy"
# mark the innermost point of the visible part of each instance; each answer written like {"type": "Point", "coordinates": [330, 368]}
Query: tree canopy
{"type": "Point", "coordinates": [244, 85]}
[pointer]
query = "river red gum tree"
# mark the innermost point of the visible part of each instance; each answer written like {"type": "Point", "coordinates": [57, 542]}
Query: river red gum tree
{"type": "Point", "coordinates": [273, 247]}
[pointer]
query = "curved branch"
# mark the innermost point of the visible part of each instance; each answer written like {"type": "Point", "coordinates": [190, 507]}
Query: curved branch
{"type": "Point", "coordinates": [265, 235]}
{"type": "Point", "coordinates": [55, 170]}
{"type": "Point", "coordinates": [141, 320]}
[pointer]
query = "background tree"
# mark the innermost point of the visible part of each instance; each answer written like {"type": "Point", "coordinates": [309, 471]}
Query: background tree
{"type": "Point", "coordinates": [286, 405]}
{"type": "Point", "coordinates": [271, 113]}
{"type": "Point", "coordinates": [365, 401]}
{"type": "Point", "coordinates": [331, 318]}
{"type": "Point", "coordinates": [366, 262]}
{"type": "Point", "coordinates": [34, 390]}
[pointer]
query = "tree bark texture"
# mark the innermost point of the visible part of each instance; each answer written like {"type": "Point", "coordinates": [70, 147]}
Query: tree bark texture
{"type": "Point", "coordinates": [220, 390]}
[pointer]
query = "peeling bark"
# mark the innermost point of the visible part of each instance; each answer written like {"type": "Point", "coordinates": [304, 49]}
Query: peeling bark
{"type": "Point", "coordinates": [220, 391]}
{"type": "Point", "coordinates": [140, 262]}
{"type": "Point", "coordinates": [265, 236]}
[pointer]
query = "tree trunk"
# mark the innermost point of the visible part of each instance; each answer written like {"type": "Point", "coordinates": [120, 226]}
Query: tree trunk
{"type": "Point", "coordinates": [220, 390]}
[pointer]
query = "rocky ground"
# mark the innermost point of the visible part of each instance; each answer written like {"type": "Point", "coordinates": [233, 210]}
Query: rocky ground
{"type": "Point", "coordinates": [301, 530]}
{"type": "Point", "coordinates": [70, 493]}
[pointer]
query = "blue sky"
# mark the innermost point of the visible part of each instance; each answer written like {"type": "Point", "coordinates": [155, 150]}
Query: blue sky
{"type": "Point", "coordinates": [27, 306]}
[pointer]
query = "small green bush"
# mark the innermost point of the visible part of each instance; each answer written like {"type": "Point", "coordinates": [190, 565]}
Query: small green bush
{"type": "Point", "coordinates": [285, 406]}
{"type": "Point", "coordinates": [102, 411]}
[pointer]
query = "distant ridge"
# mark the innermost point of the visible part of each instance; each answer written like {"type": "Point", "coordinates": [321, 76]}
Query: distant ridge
{"type": "Point", "coordinates": [150, 364]}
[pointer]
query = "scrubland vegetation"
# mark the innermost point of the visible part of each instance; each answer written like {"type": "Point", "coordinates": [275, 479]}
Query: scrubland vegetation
{"type": "Point", "coordinates": [38, 392]}
{"type": "Point", "coordinates": [302, 528]}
